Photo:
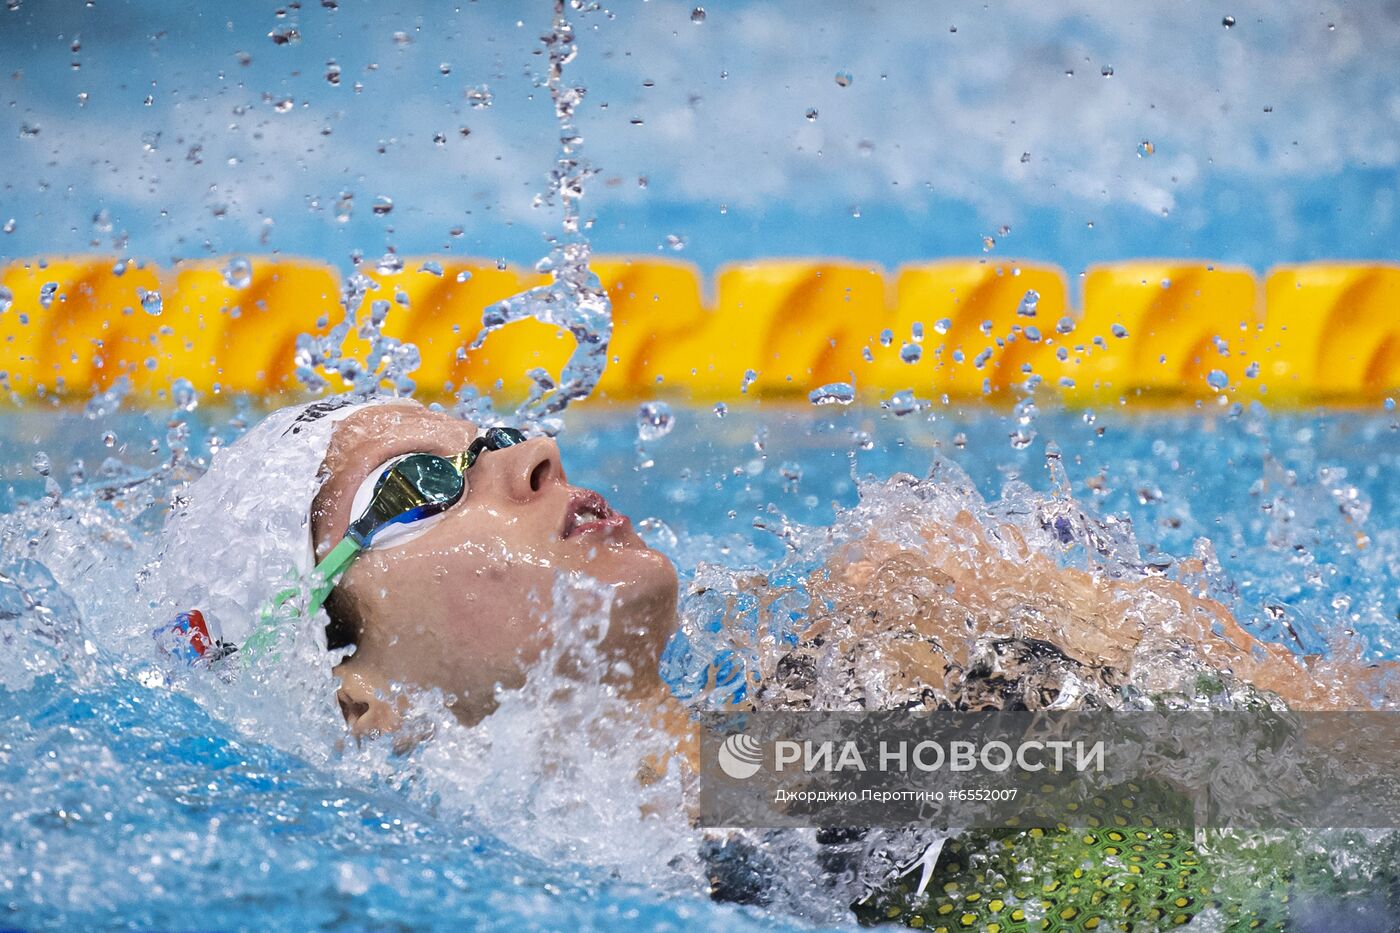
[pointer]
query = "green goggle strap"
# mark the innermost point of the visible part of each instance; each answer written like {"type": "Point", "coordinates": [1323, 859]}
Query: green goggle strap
{"type": "Point", "coordinates": [324, 576]}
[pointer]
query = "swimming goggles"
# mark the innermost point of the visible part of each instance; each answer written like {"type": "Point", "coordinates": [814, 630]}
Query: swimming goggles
{"type": "Point", "coordinates": [409, 490]}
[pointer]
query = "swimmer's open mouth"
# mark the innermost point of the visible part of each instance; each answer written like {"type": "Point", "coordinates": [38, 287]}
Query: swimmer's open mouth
{"type": "Point", "coordinates": [589, 512]}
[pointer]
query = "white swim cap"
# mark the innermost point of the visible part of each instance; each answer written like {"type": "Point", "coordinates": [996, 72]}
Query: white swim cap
{"type": "Point", "coordinates": [243, 533]}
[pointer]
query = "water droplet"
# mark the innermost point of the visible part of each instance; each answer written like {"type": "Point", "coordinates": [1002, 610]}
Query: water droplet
{"type": "Point", "coordinates": [285, 35]}
{"type": "Point", "coordinates": [464, 276]}
{"type": "Point", "coordinates": [333, 73]}
{"type": "Point", "coordinates": [9, 226]}
{"type": "Point", "coordinates": [1389, 403]}
{"type": "Point", "coordinates": [151, 301]}
{"type": "Point", "coordinates": [29, 130]}
{"type": "Point", "coordinates": [479, 97]}
{"type": "Point", "coordinates": [183, 394]}
{"type": "Point", "coordinates": [1217, 380]}
{"type": "Point", "coordinates": [675, 243]}
{"type": "Point", "coordinates": [108, 439]}
{"type": "Point", "coordinates": [1065, 326]}
{"type": "Point", "coordinates": [7, 298]}
{"type": "Point", "coordinates": [833, 393]}
{"type": "Point", "coordinates": [1021, 439]}
{"type": "Point", "coordinates": [1252, 370]}
{"type": "Point", "coordinates": [284, 105]}
{"type": "Point", "coordinates": [911, 352]}
{"type": "Point", "coordinates": [1145, 149]}
{"type": "Point", "coordinates": [431, 267]}
{"type": "Point", "coordinates": [1025, 157]}
{"type": "Point", "coordinates": [721, 409]}
{"type": "Point", "coordinates": [844, 78]}
{"type": "Point", "coordinates": [1029, 302]}
{"type": "Point", "coordinates": [1228, 22]}
{"type": "Point", "coordinates": [1106, 71]}
{"type": "Point", "coordinates": [238, 273]}
{"type": "Point", "coordinates": [749, 378]}
{"type": "Point", "coordinates": [811, 113]}
{"type": "Point", "coordinates": [1119, 330]}
{"type": "Point", "coordinates": [989, 243]}
{"type": "Point", "coordinates": [47, 291]}
{"type": "Point", "coordinates": [383, 204]}
{"type": "Point", "coordinates": [402, 39]}
{"type": "Point", "coordinates": [654, 420]}
{"type": "Point", "coordinates": [697, 15]}
{"type": "Point", "coordinates": [41, 463]}
{"type": "Point", "coordinates": [902, 403]}
{"type": "Point", "coordinates": [344, 205]}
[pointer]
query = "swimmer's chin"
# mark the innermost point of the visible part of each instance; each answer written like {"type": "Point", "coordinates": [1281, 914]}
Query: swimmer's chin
{"type": "Point", "coordinates": [370, 707]}
{"type": "Point", "coordinates": [374, 709]}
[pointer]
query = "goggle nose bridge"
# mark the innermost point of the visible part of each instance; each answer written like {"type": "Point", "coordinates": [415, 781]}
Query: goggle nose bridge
{"type": "Point", "coordinates": [492, 439]}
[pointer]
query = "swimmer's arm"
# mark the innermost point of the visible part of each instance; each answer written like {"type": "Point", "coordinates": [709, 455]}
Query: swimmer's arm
{"type": "Point", "coordinates": [1303, 682]}
{"type": "Point", "coordinates": [962, 549]}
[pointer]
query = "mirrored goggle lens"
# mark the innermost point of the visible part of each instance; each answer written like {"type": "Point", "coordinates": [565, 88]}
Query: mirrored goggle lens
{"type": "Point", "coordinates": [398, 502]}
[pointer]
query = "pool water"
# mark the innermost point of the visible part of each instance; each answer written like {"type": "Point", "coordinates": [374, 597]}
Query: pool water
{"type": "Point", "coordinates": [133, 797]}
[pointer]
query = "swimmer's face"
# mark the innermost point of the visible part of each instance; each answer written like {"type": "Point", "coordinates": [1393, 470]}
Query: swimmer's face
{"type": "Point", "coordinates": [463, 606]}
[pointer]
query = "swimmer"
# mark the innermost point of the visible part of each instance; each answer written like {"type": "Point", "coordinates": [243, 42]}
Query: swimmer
{"type": "Point", "coordinates": [458, 599]}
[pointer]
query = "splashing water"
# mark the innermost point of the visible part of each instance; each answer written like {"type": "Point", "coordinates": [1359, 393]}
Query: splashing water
{"type": "Point", "coordinates": [574, 299]}
{"type": "Point", "coordinates": [238, 273]}
{"type": "Point", "coordinates": [845, 620]}
{"type": "Point", "coordinates": [654, 421]}
{"type": "Point", "coordinates": [388, 363]}
{"type": "Point", "coordinates": [246, 786]}
{"type": "Point", "coordinates": [833, 393]}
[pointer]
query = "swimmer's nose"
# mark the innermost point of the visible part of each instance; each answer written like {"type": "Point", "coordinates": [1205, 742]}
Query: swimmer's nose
{"type": "Point", "coordinates": [525, 471]}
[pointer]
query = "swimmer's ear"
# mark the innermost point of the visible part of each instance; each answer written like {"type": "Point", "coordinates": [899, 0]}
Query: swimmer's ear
{"type": "Point", "coordinates": [366, 704]}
